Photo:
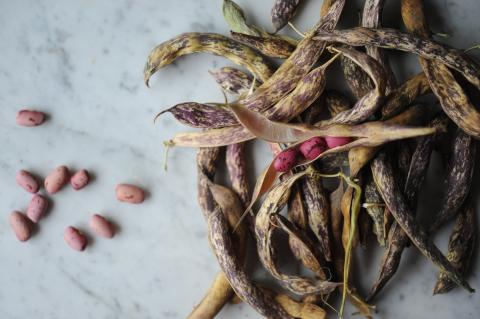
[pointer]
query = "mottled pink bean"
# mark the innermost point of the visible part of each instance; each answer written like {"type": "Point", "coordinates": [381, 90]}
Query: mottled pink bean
{"type": "Point", "coordinates": [101, 226]}
{"type": "Point", "coordinates": [129, 193]}
{"type": "Point", "coordinates": [80, 179]}
{"type": "Point", "coordinates": [75, 238]}
{"type": "Point", "coordinates": [37, 208]}
{"type": "Point", "coordinates": [334, 141]}
{"type": "Point", "coordinates": [30, 118]}
{"type": "Point", "coordinates": [313, 147]}
{"type": "Point", "coordinates": [56, 179]}
{"type": "Point", "coordinates": [20, 226]}
{"type": "Point", "coordinates": [285, 160]}
{"type": "Point", "coordinates": [27, 181]}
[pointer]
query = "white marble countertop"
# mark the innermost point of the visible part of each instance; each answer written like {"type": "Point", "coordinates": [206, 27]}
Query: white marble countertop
{"type": "Point", "coordinates": [81, 62]}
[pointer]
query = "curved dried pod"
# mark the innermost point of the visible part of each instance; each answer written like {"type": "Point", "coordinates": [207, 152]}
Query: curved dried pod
{"type": "Point", "coordinates": [460, 247]}
{"type": "Point", "coordinates": [397, 238]}
{"type": "Point", "coordinates": [307, 91]}
{"type": "Point", "coordinates": [404, 95]}
{"type": "Point", "coordinates": [301, 310]}
{"type": "Point", "coordinates": [264, 228]}
{"type": "Point", "coordinates": [317, 207]}
{"type": "Point", "coordinates": [394, 39]}
{"type": "Point", "coordinates": [458, 180]}
{"type": "Point", "coordinates": [194, 42]}
{"type": "Point", "coordinates": [370, 102]}
{"type": "Point", "coordinates": [236, 20]}
{"type": "Point", "coordinates": [237, 171]}
{"type": "Point", "coordinates": [394, 199]}
{"type": "Point", "coordinates": [201, 115]}
{"type": "Point", "coordinates": [358, 81]}
{"type": "Point", "coordinates": [234, 81]}
{"type": "Point", "coordinates": [300, 244]}
{"type": "Point", "coordinates": [220, 237]}
{"type": "Point", "coordinates": [305, 248]}
{"type": "Point", "coordinates": [371, 18]}
{"type": "Point", "coordinates": [282, 12]}
{"type": "Point", "coordinates": [336, 102]}
{"type": "Point", "coordinates": [271, 46]}
{"type": "Point", "coordinates": [452, 97]}
{"type": "Point", "coordinates": [336, 218]}
{"type": "Point", "coordinates": [374, 205]}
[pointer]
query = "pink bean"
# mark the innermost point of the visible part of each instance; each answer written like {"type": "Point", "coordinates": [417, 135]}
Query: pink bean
{"type": "Point", "coordinates": [75, 238]}
{"type": "Point", "coordinates": [80, 179]}
{"type": "Point", "coordinates": [27, 181]}
{"type": "Point", "coordinates": [56, 179]}
{"type": "Point", "coordinates": [101, 226]}
{"type": "Point", "coordinates": [285, 160]}
{"type": "Point", "coordinates": [313, 147]}
{"type": "Point", "coordinates": [20, 226]}
{"type": "Point", "coordinates": [334, 141]}
{"type": "Point", "coordinates": [37, 208]}
{"type": "Point", "coordinates": [129, 193]}
{"type": "Point", "coordinates": [30, 118]}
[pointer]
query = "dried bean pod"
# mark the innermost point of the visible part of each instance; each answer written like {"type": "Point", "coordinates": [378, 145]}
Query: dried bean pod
{"type": "Point", "coordinates": [201, 115]}
{"type": "Point", "coordinates": [370, 102]}
{"type": "Point", "coordinates": [371, 18]}
{"type": "Point", "coordinates": [396, 203]}
{"type": "Point", "coordinates": [460, 247]}
{"type": "Point", "coordinates": [357, 79]}
{"type": "Point", "coordinates": [453, 99]}
{"type": "Point", "coordinates": [221, 241]}
{"type": "Point", "coordinates": [458, 180]}
{"type": "Point", "coordinates": [374, 207]}
{"type": "Point", "coordinates": [394, 39]}
{"type": "Point", "coordinates": [317, 207]}
{"type": "Point", "coordinates": [404, 95]}
{"type": "Point", "coordinates": [274, 202]}
{"type": "Point", "coordinates": [336, 102]}
{"type": "Point", "coordinates": [397, 238]}
{"type": "Point", "coordinates": [282, 12]}
{"type": "Point", "coordinates": [270, 46]}
{"type": "Point", "coordinates": [234, 81]}
{"type": "Point", "coordinates": [336, 218]}
{"type": "Point", "coordinates": [237, 171]}
{"type": "Point", "coordinates": [187, 43]}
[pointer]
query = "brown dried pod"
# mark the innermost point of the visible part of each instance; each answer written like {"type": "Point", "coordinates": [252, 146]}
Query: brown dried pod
{"type": "Point", "coordinates": [221, 241]}
{"type": "Point", "coordinates": [394, 39]}
{"type": "Point", "coordinates": [358, 81]}
{"type": "Point", "coordinates": [336, 102]}
{"type": "Point", "coordinates": [336, 218]}
{"type": "Point", "coordinates": [271, 46]}
{"type": "Point", "coordinates": [374, 205]}
{"type": "Point", "coordinates": [282, 12]}
{"type": "Point", "coordinates": [317, 207]}
{"type": "Point", "coordinates": [237, 171]}
{"type": "Point", "coordinates": [460, 247]}
{"type": "Point", "coordinates": [404, 95]}
{"type": "Point", "coordinates": [264, 228]}
{"type": "Point", "coordinates": [201, 115]}
{"type": "Point", "coordinates": [234, 81]}
{"type": "Point", "coordinates": [397, 238]}
{"type": "Point", "coordinates": [193, 42]}
{"type": "Point", "coordinates": [371, 18]}
{"type": "Point", "coordinates": [382, 172]}
{"type": "Point", "coordinates": [458, 180]}
{"type": "Point", "coordinates": [370, 102]}
{"type": "Point", "coordinates": [452, 97]}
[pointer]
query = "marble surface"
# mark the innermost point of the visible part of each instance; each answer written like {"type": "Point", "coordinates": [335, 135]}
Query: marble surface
{"type": "Point", "coordinates": [81, 62]}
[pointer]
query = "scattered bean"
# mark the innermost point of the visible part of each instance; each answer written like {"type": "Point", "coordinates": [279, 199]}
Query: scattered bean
{"type": "Point", "coordinates": [75, 238]}
{"type": "Point", "coordinates": [129, 193]}
{"type": "Point", "coordinates": [20, 226]}
{"type": "Point", "coordinates": [27, 181]}
{"type": "Point", "coordinates": [101, 226]}
{"type": "Point", "coordinates": [30, 118]}
{"type": "Point", "coordinates": [80, 179]}
{"type": "Point", "coordinates": [37, 208]}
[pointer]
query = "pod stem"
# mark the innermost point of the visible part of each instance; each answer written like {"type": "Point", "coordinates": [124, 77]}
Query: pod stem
{"type": "Point", "coordinates": [296, 30]}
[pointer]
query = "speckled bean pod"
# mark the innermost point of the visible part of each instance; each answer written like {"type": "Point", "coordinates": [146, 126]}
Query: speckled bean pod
{"type": "Point", "coordinates": [282, 11]}
{"type": "Point", "coordinates": [234, 81]}
{"type": "Point", "coordinates": [270, 46]}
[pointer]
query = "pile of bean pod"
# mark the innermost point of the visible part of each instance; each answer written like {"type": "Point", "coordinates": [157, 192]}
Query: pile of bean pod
{"type": "Point", "coordinates": [378, 149]}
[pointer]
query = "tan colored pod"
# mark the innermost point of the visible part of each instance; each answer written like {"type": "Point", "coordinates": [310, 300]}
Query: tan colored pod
{"type": "Point", "coordinates": [129, 193]}
{"type": "Point", "coordinates": [101, 226]}
{"type": "Point", "coordinates": [20, 226]}
{"type": "Point", "coordinates": [56, 179]}
{"type": "Point", "coordinates": [30, 118]}
{"type": "Point", "coordinates": [75, 238]}
{"type": "Point", "coordinates": [27, 181]}
{"type": "Point", "coordinates": [80, 179]}
{"type": "Point", "coordinates": [37, 208]}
